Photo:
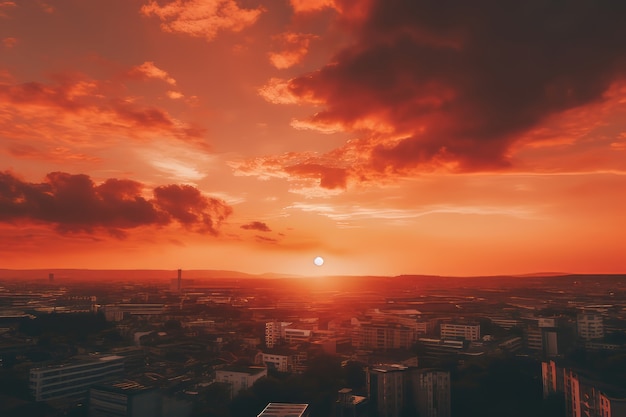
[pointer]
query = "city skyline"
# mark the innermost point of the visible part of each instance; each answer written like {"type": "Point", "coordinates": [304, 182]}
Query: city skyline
{"type": "Point", "coordinates": [385, 137]}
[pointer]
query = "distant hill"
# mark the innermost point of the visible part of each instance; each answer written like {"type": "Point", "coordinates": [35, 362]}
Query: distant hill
{"type": "Point", "coordinates": [122, 274]}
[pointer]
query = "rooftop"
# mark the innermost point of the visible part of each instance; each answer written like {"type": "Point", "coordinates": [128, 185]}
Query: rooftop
{"type": "Point", "coordinates": [284, 410]}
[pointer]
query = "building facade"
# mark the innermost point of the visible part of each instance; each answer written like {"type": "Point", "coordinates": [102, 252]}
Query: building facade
{"type": "Point", "coordinates": [433, 393]}
{"type": "Point", "coordinates": [454, 331]}
{"type": "Point", "coordinates": [73, 379]}
{"type": "Point", "coordinates": [240, 377]}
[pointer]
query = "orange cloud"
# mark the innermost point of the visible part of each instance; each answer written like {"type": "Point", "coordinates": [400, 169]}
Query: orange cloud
{"type": "Point", "coordinates": [304, 6]}
{"type": "Point", "coordinates": [9, 42]}
{"type": "Point", "coordinates": [294, 47]}
{"type": "Point", "coordinates": [78, 111]}
{"type": "Point", "coordinates": [149, 70]}
{"type": "Point", "coordinates": [202, 18]}
{"type": "Point", "coordinates": [74, 203]}
{"type": "Point", "coordinates": [5, 6]}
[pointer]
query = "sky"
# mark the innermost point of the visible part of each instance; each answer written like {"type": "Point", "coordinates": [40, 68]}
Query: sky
{"type": "Point", "coordinates": [388, 137]}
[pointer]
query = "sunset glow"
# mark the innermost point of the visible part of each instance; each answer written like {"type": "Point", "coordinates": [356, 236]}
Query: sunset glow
{"type": "Point", "coordinates": [392, 137]}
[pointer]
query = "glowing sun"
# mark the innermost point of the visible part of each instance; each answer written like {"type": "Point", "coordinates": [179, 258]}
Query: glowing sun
{"type": "Point", "coordinates": [319, 261]}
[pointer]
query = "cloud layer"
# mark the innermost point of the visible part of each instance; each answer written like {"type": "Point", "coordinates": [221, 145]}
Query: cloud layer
{"type": "Point", "coordinates": [74, 203]}
{"type": "Point", "coordinates": [455, 86]}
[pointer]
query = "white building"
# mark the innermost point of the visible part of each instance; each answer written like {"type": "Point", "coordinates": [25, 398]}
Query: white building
{"type": "Point", "coordinates": [74, 378]}
{"type": "Point", "coordinates": [466, 331]}
{"type": "Point", "coordinates": [590, 326]}
{"type": "Point", "coordinates": [240, 377]}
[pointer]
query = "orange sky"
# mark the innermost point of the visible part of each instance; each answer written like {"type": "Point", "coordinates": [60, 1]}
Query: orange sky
{"type": "Point", "coordinates": [387, 136]}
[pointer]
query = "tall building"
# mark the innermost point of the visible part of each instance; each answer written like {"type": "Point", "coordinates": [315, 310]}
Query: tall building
{"type": "Point", "coordinates": [274, 331]}
{"type": "Point", "coordinates": [240, 377]}
{"type": "Point", "coordinates": [123, 399]}
{"type": "Point", "coordinates": [285, 410]}
{"type": "Point", "coordinates": [73, 379]}
{"type": "Point", "coordinates": [590, 326]}
{"type": "Point", "coordinates": [433, 393]}
{"type": "Point", "coordinates": [466, 331]}
{"type": "Point", "coordinates": [585, 396]}
{"type": "Point", "coordinates": [389, 389]}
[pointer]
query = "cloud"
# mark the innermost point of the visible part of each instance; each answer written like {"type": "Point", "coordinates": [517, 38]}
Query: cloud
{"type": "Point", "coordinates": [9, 42]}
{"type": "Point", "coordinates": [294, 47]}
{"type": "Point", "coordinates": [307, 6]}
{"type": "Point", "coordinates": [75, 110]}
{"type": "Point", "coordinates": [74, 203]}
{"type": "Point", "coordinates": [149, 70]}
{"type": "Point", "coordinates": [456, 86]}
{"type": "Point", "coordinates": [260, 226]}
{"type": "Point", "coordinates": [5, 6]}
{"type": "Point", "coordinates": [202, 18]}
{"type": "Point", "coordinates": [330, 177]}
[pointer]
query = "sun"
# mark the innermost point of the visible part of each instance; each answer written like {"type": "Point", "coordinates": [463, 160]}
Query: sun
{"type": "Point", "coordinates": [319, 261]}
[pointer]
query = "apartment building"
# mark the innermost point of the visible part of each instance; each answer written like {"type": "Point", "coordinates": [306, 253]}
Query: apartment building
{"type": "Point", "coordinates": [73, 379]}
{"type": "Point", "coordinates": [590, 326]}
{"type": "Point", "coordinates": [469, 332]}
{"type": "Point", "coordinates": [433, 393]}
{"type": "Point", "coordinates": [240, 377]}
{"type": "Point", "coordinates": [382, 336]}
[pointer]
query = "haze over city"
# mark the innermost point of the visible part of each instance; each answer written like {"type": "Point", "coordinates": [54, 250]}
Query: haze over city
{"type": "Point", "coordinates": [386, 137]}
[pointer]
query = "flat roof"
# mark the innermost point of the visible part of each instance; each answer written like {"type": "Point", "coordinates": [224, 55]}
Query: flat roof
{"type": "Point", "coordinates": [250, 370]}
{"type": "Point", "coordinates": [284, 410]}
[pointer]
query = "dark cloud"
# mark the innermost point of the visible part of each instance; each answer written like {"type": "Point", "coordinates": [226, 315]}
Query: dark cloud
{"type": "Point", "coordinates": [260, 226]}
{"type": "Point", "coordinates": [457, 82]}
{"type": "Point", "coordinates": [330, 177]}
{"type": "Point", "coordinates": [74, 203]}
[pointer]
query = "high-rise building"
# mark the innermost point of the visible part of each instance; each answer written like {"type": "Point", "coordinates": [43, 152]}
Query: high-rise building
{"type": "Point", "coordinates": [433, 392]}
{"type": "Point", "coordinates": [585, 395]}
{"type": "Point", "coordinates": [73, 378]}
{"type": "Point", "coordinates": [590, 326]}
{"type": "Point", "coordinates": [388, 388]}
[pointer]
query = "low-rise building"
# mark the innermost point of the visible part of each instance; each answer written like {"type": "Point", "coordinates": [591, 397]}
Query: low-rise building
{"type": "Point", "coordinates": [73, 378]}
{"type": "Point", "coordinates": [240, 377]}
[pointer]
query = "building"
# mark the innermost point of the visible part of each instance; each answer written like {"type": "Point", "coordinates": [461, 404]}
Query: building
{"type": "Point", "coordinates": [274, 332]}
{"type": "Point", "coordinates": [389, 389]}
{"type": "Point", "coordinates": [585, 396]}
{"type": "Point", "coordinates": [590, 326]}
{"type": "Point", "coordinates": [287, 359]}
{"type": "Point", "coordinates": [350, 405]}
{"type": "Point", "coordinates": [433, 393]}
{"type": "Point", "coordinates": [285, 410]}
{"type": "Point", "coordinates": [123, 399]}
{"type": "Point", "coordinates": [383, 336]}
{"type": "Point", "coordinates": [441, 347]}
{"type": "Point", "coordinates": [295, 336]}
{"type": "Point", "coordinates": [73, 379]}
{"type": "Point", "coordinates": [117, 312]}
{"type": "Point", "coordinates": [240, 377]}
{"type": "Point", "coordinates": [455, 331]}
